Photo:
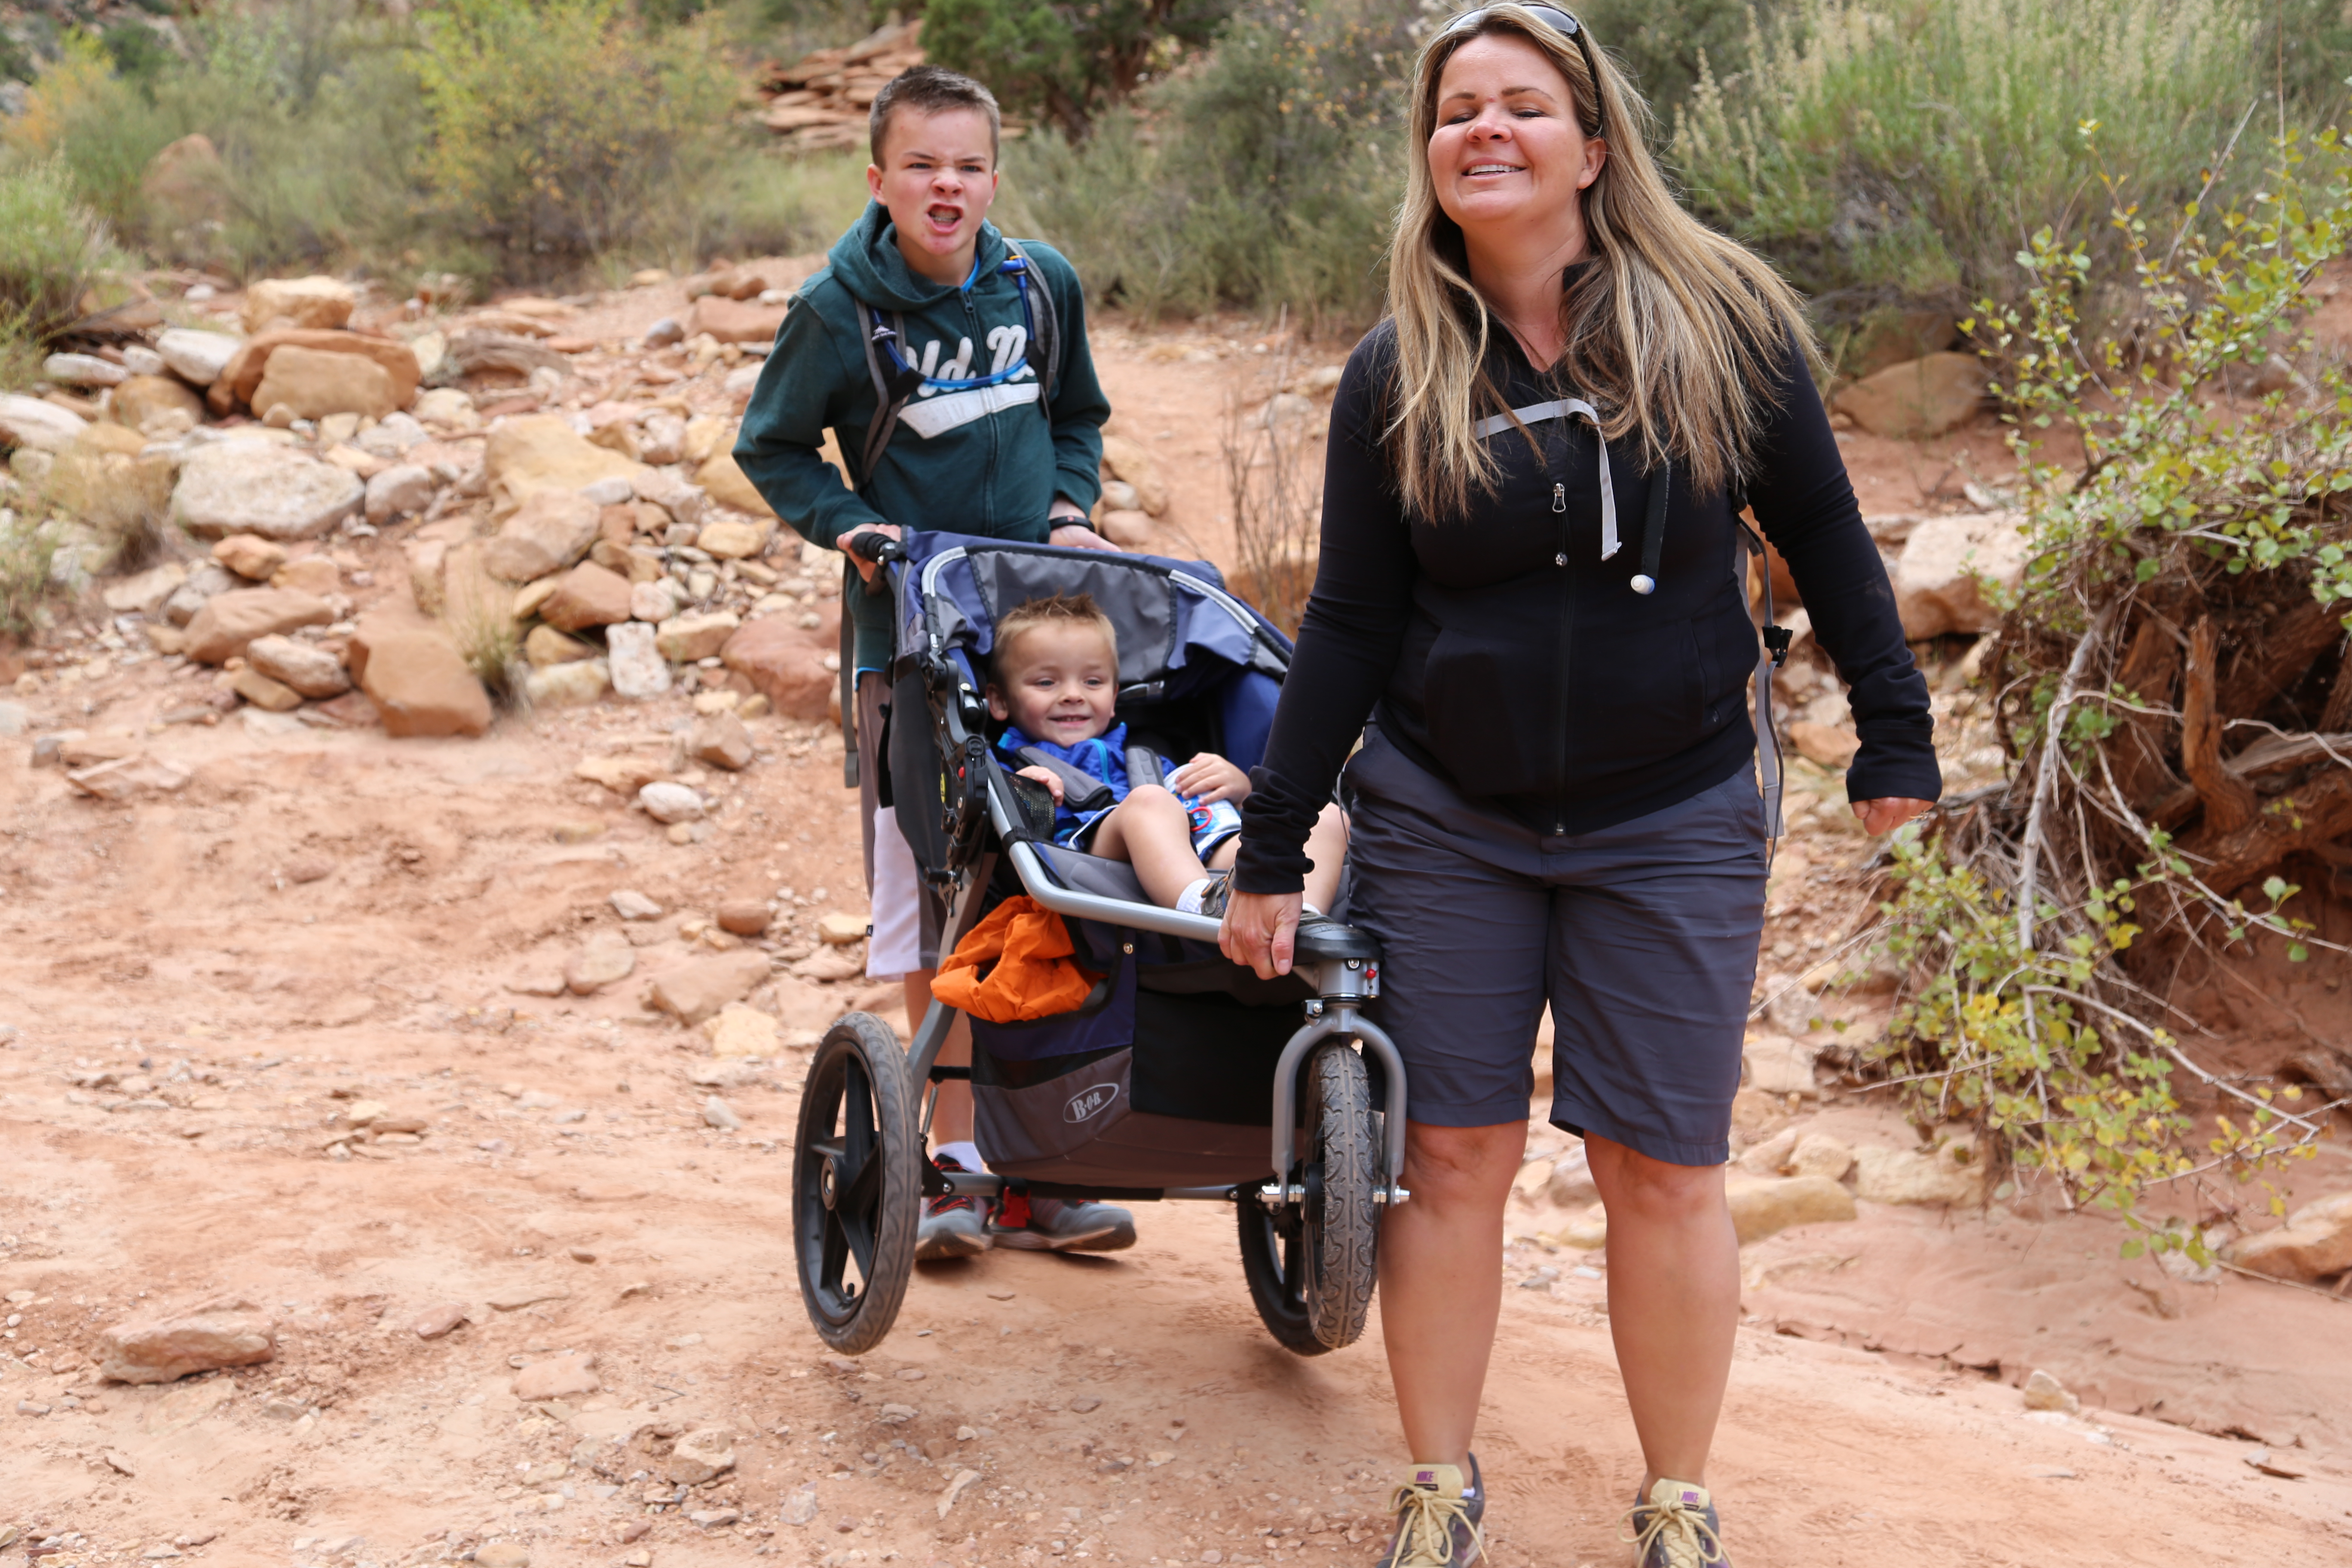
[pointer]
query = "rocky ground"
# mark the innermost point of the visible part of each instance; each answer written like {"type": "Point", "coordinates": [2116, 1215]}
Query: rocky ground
{"type": "Point", "coordinates": [562, 973]}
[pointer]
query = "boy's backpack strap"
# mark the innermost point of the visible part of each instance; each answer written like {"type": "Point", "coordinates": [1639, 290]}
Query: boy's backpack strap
{"type": "Point", "coordinates": [1044, 344]}
{"type": "Point", "coordinates": [894, 387]}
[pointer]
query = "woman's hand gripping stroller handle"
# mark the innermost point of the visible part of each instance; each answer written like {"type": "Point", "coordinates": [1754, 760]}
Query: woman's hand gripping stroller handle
{"type": "Point", "coordinates": [878, 548]}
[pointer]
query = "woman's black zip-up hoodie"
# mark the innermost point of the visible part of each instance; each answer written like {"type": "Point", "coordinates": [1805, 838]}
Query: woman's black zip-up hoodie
{"type": "Point", "coordinates": [1501, 652]}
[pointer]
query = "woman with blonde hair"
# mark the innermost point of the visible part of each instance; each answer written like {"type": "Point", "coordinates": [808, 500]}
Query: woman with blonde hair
{"type": "Point", "coordinates": [1532, 605]}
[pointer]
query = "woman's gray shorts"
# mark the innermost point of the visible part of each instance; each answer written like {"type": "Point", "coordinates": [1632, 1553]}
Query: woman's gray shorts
{"type": "Point", "coordinates": [1642, 936]}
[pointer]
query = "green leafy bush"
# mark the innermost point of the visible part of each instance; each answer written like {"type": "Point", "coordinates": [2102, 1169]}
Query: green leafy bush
{"type": "Point", "coordinates": [1896, 153]}
{"type": "Point", "coordinates": [51, 250]}
{"type": "Point", "coordinates": [1664, 44]}
{"type": "Point", "coordinates": [1066, 61]}
{"type": "Point", "coordinates": [2185, 594]}
{"type": "Point", "coordinates": [1266, 173]}
{"type": "Point", "coordinates": [561, 130]}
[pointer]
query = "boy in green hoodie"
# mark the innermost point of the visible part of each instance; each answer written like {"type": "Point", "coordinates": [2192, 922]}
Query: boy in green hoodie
{"type": "Point", "coordinates": [951, 365]}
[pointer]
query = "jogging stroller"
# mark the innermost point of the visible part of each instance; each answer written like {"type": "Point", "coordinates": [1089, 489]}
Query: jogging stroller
{"type": "Point", "coordinates": [1182, 1076]}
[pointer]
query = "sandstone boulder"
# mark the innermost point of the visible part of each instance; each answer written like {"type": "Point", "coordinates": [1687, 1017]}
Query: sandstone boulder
{"type": "Point", "coordinates": [734, 321]}
{"type": "Point", "coordinates": [542, 452]}
{"type": "Point", "coordinates": [656, 601]}
{"type": "Point", "coordinates": [314, 303]}
{"type": "Point", "coordinates": [732, 541]}
{"type": "Point", "coordinates": [315, 383]}
{"type": "Point", "coordinates": [1767, 1206]}
{"type": "Point", "coordinates": [303, 668]}
{"type": "Point", "coordinates": [197, 357]}
{"type": "Point", "coordinates": [2314, 1242]}
{"type": "Point", "coordinates": [573, 684]}
{"type": "Point", "coordinates": [730, 487]}
{"type": "Point", "coordinates": [422, 687]}
{"type": "Point", "coordinates": [1819, 1154]}
{"type": "Point", "coordinates": [43, 426]}
{"type": "Point", "coordinates": [1825, 745]}
{"type": "Point", "coordinates": [157, 407]}
{"type": "Point", "coordinates": [668, 802]}
{"type": "Point", "coordinates": [158, 1350]}
{"type": "Point", "coordinates": [1131, 462]}
{"type": "Point", "coordinates": [401, 491]}
{"type": "Point", "coordinates": [700, 1456]}
{"type": "Point", "coordinates": [698, 988]}
{"type": "Point", "coordinates": [691, 637]}
{"type": "Point", "coordinates": [129, 778]}
{"type": "Point", "coordinates": [1937, 577]}
{"type": "Point", "coordinates": [1925, 396]}
{"type": "Point", "coordinates": [240, 378]}
{"type": "Point", "coordinates": [545, 647]}
{"type": "Point", "coordinates": [250, 556]}
{"type": "Point", "coordinates": [744, 917]}
{"type": "Point", "coordinates": [86, 371]}
{"type": "Point", "coordinates": [1778, 1065]}
{"type": "Point", "coordinates": [720, 740]}
{"type": "Point", "coordinates": [741, 1030]}
{"type": "Point", "coordinates": [263, 489]}
{"type": "Point", "coordinates": [639, 668]}
{"type": "Point", "coordinates": [567, 1376]}
{"type": "Point", "coordinates": [145, 593]}
{"type": "Point", "coordinates": [263, 693]}
{"type": "Point", "coordinates": [587, 596]}
{"type": "Point", "coordinates": [230, 621]}
{"type": "Point", "coordinates": [310, 573]}
{"type": "Point", "coordinates": [549, 530]}
{"type": "Point", "coordinates": [606, 960]}
{"type": "Point", "coordinates": [1907, 1176]}
{"type": "Point", "coordinates": [786, 663]}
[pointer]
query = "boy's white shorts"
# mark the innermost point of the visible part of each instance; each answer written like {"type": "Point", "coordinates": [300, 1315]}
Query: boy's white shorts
{"type": "Point", "coordinates": [896, 948]}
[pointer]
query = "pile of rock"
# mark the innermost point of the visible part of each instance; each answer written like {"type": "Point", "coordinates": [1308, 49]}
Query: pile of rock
{"type": "Point", "coordinates": [820, 102]}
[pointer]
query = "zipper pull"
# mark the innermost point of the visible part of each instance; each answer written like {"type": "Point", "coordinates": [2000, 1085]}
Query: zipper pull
{"type": "Point", "coordinates": [1559, 497]}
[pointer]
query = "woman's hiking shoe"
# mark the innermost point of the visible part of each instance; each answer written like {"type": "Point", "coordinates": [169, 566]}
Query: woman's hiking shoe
{"type": "Point", "coordinates": [1437, 1519]}
{"type": "Point", "coordinates": [1059, 1225]}
{"type": "Point", "coordinates": [1675, 1528]}
{"type": "Point", "coordinates": [951, 1226]}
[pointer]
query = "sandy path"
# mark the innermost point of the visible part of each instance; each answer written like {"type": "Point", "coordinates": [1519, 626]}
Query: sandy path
{"type": "Point", "coordinates": [240, 1003]}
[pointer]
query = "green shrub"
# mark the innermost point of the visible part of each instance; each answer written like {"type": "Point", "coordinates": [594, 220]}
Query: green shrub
{"type": "Point", "coordinates": [27, 553]}
{"type": "Point", "coordinates": [51, 250]}
{"type": "Point", "coordinates": [1067, 60]}
{"type": "Point", "coordinates": [1905, 152]}
{"type": "Point", "coordinates": [1266, 173]}
{"type": "Point", "coordinates": [1663, 44]}
{"type": "Point", "coordinates": [562, 130]}
{"type": "Point", "coordinates": [2188, 574]}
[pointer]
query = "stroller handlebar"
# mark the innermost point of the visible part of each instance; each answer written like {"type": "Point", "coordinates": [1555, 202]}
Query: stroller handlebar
{"type": "Point", "coordinates": [878, 548]}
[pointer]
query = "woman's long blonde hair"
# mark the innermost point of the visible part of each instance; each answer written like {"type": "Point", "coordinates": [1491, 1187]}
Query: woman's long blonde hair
{"type": "Point", "coordinates": [1674, 332]}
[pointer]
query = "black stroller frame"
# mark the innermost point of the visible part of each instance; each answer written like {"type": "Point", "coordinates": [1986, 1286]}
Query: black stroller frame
{"type": "Point", "coordinates": [1308, 1219]}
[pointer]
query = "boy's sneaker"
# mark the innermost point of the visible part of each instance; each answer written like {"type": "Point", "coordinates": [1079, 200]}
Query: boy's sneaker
{"type": "Point", "coordinates": [1675, 1528]}
{"type": "Point", "coordinates": [1437, 1523]}
{"type": "Point", "coordinates": [951, 1226]}
{"type": "Point", "coordinates": [1057, 1225]}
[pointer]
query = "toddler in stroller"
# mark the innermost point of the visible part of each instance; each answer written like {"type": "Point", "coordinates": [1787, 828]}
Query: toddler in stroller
{"type": "Point", "coordinates": [1055, 688]}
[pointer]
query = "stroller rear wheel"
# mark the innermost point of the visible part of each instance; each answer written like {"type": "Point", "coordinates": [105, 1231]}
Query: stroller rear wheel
{"type": "Point", "coordinates": [856, 1185]}
{"type": "Point", "coordinates": [1312, 1266]}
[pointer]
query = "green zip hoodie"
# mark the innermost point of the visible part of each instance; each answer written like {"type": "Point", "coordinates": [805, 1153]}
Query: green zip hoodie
{"type": "Point", "coordinates": [991, 463]}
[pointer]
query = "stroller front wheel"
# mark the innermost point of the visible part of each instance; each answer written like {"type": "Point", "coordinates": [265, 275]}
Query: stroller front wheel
{"type": "Point", "coordinates": [856, 1185]}
{"type": "Point", "coordinates": [1312, 1266]}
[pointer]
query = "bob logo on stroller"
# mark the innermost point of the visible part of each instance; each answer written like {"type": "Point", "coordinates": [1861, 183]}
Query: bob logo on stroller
{"type": "Point", "coordinates": [1179, 1075]}
{"type": "Point", "coordinates": [1084, 1105]}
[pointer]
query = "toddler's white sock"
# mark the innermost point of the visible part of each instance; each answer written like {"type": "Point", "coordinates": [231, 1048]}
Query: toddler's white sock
{"type": "Point", "coordinates": [1188, 902]}
{"type": "Point", "coordinates": [966, 1153]}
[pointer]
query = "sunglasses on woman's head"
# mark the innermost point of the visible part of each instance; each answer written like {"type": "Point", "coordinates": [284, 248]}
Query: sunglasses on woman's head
{"type": "Point", "coordinates": [1551, 16]}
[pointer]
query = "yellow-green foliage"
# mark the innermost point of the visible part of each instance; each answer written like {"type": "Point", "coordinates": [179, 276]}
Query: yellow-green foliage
{"type": "Point", "coordinates": [561, 130]}
{"type": "Point", "coordinates": [51, 250]}
{"type": "Point", "coordinates": [2017, 1013]}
